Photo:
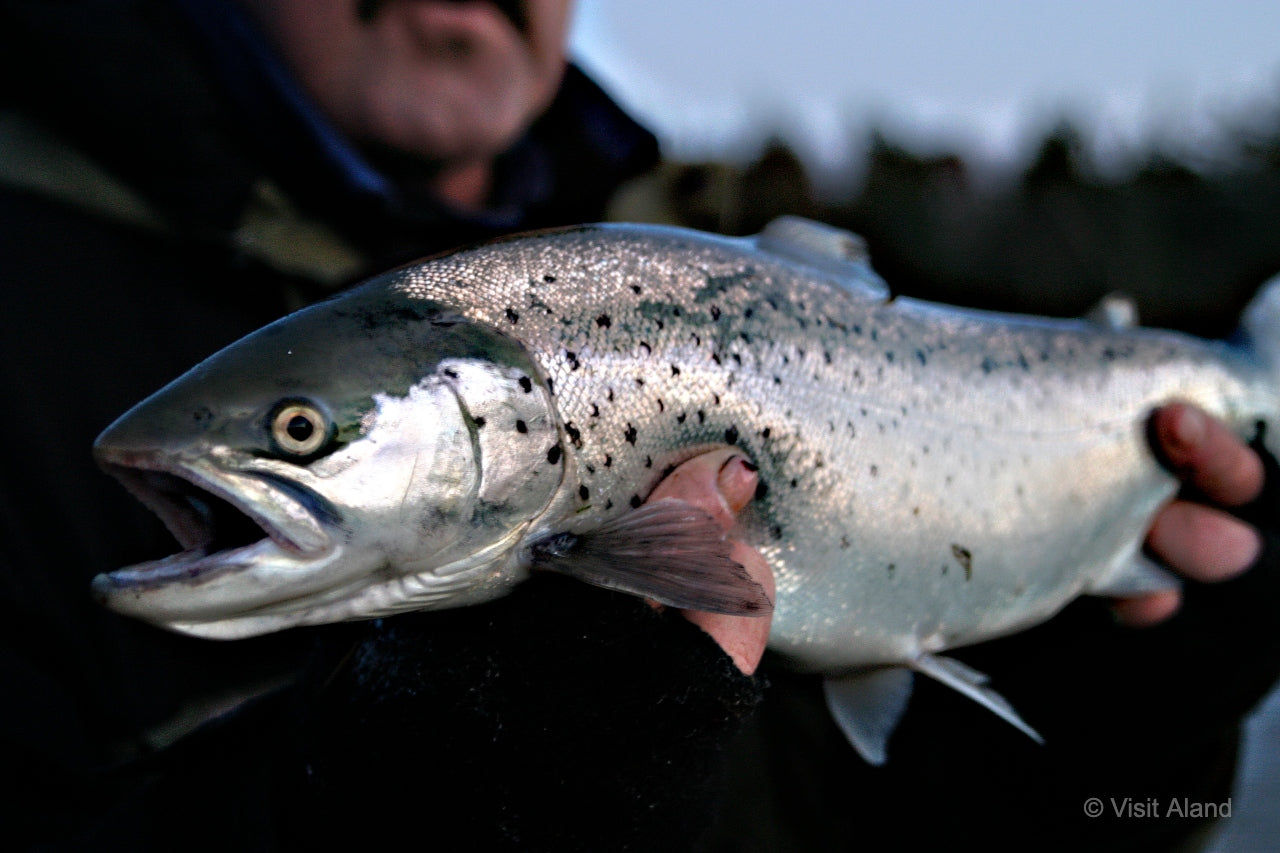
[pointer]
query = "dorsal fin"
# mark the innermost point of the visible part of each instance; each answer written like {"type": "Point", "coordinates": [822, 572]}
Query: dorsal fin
{"type": "Point", "coordinates": [827, 248]}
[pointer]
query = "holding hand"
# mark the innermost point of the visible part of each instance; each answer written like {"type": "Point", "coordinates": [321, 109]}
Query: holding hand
{"type": "Point", "coordinates": [1199, 539]}
{"type": "Point", "coordinates": [721, 483]}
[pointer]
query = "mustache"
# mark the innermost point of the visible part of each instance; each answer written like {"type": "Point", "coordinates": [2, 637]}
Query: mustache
{"type": "Point", "coordinates": [367, 10]}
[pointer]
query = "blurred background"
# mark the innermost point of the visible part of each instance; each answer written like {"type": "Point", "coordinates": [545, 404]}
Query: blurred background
{"type": "Point", "coordinates": [1021, 156]}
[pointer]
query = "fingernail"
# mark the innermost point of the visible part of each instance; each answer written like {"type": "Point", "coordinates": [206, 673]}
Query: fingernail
{"type": "Point", "coordinates": [1190, 427]}
{"type": "Point", "coordinates": [737, 482]}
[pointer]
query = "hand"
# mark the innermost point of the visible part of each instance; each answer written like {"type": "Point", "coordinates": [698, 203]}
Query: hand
{"type": "Point", "coordinates": [1200, 541]}
{"type": "Point", "coordinates": [721, 483]}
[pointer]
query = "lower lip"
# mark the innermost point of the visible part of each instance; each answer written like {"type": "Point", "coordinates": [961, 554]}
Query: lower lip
{"type": "Point", "coordinates": [437, 22]}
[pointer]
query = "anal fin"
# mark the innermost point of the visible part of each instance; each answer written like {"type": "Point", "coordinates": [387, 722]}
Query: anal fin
{"type": "Point", "coordinates": [668, 551]}
{"type": "Point", "coordinates": [967, 680]}
{"type": "Point", "coordinates": [867, 707]}
{"type": "Point", "coordinates": [1136, 576]}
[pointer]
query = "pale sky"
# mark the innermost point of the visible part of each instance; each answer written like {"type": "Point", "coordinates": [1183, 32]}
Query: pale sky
{"type": "Point", "coordinates": [985, 76]}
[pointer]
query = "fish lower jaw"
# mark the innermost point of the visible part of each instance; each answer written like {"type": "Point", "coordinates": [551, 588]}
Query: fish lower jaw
{"type": "Point", "coordinates": [200, 583]}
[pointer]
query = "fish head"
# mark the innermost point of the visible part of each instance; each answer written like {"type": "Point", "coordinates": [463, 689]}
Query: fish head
{"type": "Point", "coordinates": [369, 454]}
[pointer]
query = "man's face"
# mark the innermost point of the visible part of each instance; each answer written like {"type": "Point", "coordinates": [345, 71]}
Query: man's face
{"type": "Point", "coordinates": [448, 81]}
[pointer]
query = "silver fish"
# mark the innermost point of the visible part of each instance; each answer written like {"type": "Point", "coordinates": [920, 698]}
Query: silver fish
{"type": "Point", "coordinates": [931, 477]}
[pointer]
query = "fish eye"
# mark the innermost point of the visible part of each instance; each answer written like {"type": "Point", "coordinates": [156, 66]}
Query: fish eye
{"type": "Point", "coordinates": [299, 428]}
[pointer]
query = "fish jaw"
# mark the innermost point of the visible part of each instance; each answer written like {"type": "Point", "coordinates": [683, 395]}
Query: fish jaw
{"type": "Point", "coordinates": [241, 528]}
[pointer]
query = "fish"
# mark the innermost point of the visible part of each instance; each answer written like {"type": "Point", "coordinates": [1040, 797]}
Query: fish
{"type": "Point", "coordinates": [929, 476]}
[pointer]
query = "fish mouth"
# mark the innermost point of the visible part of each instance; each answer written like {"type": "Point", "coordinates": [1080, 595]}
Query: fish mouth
{"type": "Point", "coordinates": [224, 521]}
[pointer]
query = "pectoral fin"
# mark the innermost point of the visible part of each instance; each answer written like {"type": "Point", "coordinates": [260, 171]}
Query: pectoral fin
{"type": "Point", "coordinates": [668, 551]}
{"type": "Point", "coordinates": [867, 708]}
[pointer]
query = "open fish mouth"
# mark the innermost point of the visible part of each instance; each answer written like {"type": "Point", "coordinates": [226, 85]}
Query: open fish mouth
{"type": "Point", "coordinates": [223, 521]}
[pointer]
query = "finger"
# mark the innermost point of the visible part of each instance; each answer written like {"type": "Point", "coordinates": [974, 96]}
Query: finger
{"type": "Point", "coordinates": [1147, 610]}
{"type": "Point", "coordinates": [1203, 543]}
{"type": "Point", "coordinates": [721, 483]}
{"type": "Point", "coordinates": [1206, 454]}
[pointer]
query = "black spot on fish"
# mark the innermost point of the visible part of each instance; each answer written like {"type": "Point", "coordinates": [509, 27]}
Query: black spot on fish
{"type": "Point", "coordinates": [648, 462]}
{"type": "Point", "coordinates": [731, 435]}
{"type": "Point", "coordinates": [988, 366]}
{"type": "Point", "coordinates": [662, 407]}
{"type": "Point", "coordinates": [715, 312]}
{"type": "Point", "coordinates": [595, 410]}
{"type": "Point", "coordinates": [549, 279]}
{"type": "Point", "coordinates": [635, 288]}
{"type": "Point", "coordinates": [964, 558]}
{"type": "Point", "coordinates": [512, 317]}
{"type": "Point", "coordinates": [584, 493]}
{"type": "Point", "coordinates": [644, 345]}
{"type": "Point", "coordinates": [762, 489]}
{"type": "Point", "coordinates": [702, 416]}
{"type": "Point", "coordinates": [630, 434]}
{"type": "Point", "coordinates": [451, 373]}
{"type": "Point", "coordinates": [551, 386]}
{"type": "Point", "coordinates": [522, 427]}
{"type": "Point", "coordinates": [875, 470]}
{"type": "Point", "coordinates": [636, 501]}
{"type": "Point", "coordinates": [776, 531]}
{"type": "Point", "coordinates": [640, 381]}
{"type": "Point", "coordinates": [675, 311]}
{"type": "Point", "coordinates": [572, 358]}
{"type": "Point", "coordinates": [715, 356]}
{"type": "Point", "coordinates": [575, 435]}
{"type": "Point", "coordinates": [748, 313]}
{"type": "Point", "coordinates": [553, 454]}
{"type": "Point", "coordinates": [681, 417]}
{"type": "Point", "coordinates": [526, 384]}
{"type": "Point", "coordinates": [845, 544]}
{"type": "Point", "coordinates": [608, 461]}
{"type": "Point", "coordinates": [479, 422]}
{"type": "Point", "coordinates": [608, 504]}
{"type": "Point", "coordinates": [609, 395]}
{"type": "Point", "coordinates": [603, 321]}
{"type": "Point", "coordinates": [675, 371]}
{"type": "Point", "coordinates": [766, 432]}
